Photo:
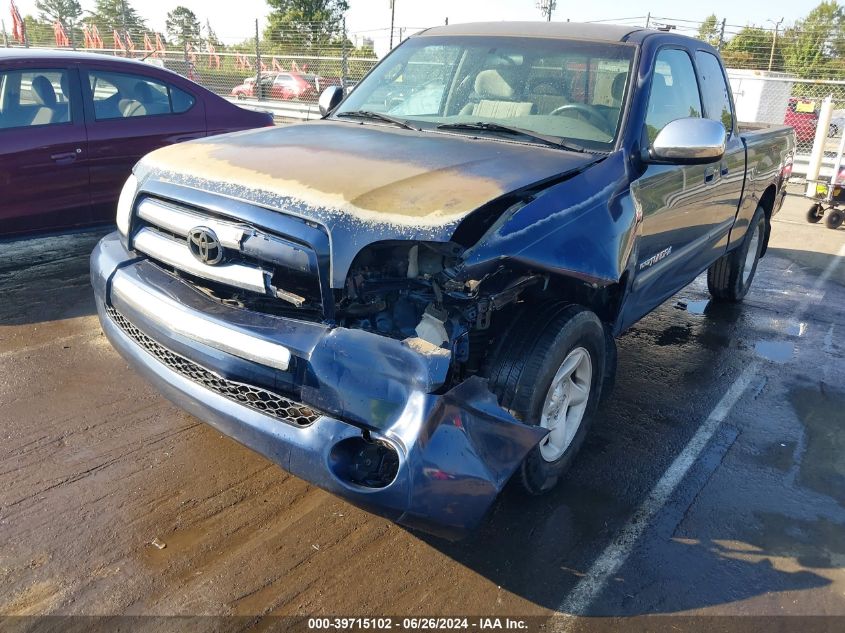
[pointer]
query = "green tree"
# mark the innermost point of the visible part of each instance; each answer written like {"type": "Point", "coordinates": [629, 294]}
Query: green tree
{"type": "Point", "coordinates": [709, 30]}
{"type": "Point", "coordinates": [38, 32]}
{"type": "Point", "coordinates": [183, 26]}
{"type": "Point", "coordinates": [309, 24]}
{"type": "Point", "coordinates": [815, 45]}
{"type": "Point", "coordinates": [66, 12]}
{"type": "Point", "coordinates": [750, 48]}
{"type": "Point", "coordinates": [117, 15]}
{"type": "Point", "coordinates": [211, 36]}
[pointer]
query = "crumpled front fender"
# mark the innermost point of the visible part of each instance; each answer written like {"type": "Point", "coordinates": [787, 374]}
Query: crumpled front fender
{"type": "Point", "coordinates": [460, 458]}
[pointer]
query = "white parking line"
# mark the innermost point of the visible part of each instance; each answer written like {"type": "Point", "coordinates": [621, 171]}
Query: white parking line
{"type": "Point", "coordinates": [614, 556]}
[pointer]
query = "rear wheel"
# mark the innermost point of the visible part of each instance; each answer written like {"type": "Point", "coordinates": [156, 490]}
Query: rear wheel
{"type": "Point", "coordinates": [729, 277]}
{"type": "Point", "coordinates": [834, 219]}
{"type": "Point", "coordinates": [549, 371]}
{"type": "Point", "coordinates": [815, 213]}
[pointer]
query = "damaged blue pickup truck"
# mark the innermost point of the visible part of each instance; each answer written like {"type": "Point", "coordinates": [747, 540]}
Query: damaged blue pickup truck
{"type": "Point", "coordinates": [415, 298]}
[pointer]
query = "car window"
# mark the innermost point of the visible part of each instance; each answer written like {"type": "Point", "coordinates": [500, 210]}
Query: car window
{"type": "Point", "coordinates": [126, 95]}
{"type": "Point", "coordinates": [714, 90]}
{"type": "Point", "coordinates": [34, 97]}
{"type": "Point", "coordinates": [180, 100]}
{"type": "Point", "coordinates": [570, 89]}
{"type": "Point", "coordinates": [674, 91]}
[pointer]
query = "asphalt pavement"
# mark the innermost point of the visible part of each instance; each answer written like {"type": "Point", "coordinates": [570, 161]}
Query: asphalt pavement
{"type": "Point", "coordinates": [712, 484]}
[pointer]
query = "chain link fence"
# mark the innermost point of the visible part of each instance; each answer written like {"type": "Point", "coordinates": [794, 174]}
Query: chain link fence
{"type": "Point", "coordinates": [779, 73]}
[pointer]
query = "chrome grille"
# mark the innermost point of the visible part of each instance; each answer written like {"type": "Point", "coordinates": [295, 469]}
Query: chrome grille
{"type": "Point", "coordinates": [261, 263]}
{"type": "Point", "coordinates": [256, 398]}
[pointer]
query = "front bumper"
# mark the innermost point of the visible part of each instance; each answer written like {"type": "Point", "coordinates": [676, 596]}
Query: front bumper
{"type": "Point", "coordinates": [456, 450]}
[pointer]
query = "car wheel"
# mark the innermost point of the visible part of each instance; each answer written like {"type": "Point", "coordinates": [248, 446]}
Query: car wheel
{"type": "Point", "coordinates": [835, 219]}
{"type": "Point", "coordinates": [729, 277]}
{"type": "Point", "coordinates": [549, 371]}
{"type": "Point", "coordinates": [815, 213]}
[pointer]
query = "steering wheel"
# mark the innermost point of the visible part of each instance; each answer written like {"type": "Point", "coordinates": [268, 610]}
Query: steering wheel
{"type": "Point", "coordinates": [585, 111]}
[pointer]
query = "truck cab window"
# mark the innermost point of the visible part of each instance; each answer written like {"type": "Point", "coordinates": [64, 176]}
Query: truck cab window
{"type": "Point", "coordinates": [674, 91]}
{"type": "Point", "coordinates": [714, 89]}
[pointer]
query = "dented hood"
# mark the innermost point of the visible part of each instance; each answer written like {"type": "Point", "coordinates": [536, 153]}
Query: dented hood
{"type": "Point", "coordinates": [363, 182]}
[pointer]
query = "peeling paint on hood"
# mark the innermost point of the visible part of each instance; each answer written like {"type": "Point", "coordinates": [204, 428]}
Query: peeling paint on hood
{"type": "Point", "coordinates": [372, 173]}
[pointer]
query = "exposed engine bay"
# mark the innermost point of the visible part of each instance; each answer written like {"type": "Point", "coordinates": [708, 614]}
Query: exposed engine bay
{"type": "Point", "coordinates": [406, 290]}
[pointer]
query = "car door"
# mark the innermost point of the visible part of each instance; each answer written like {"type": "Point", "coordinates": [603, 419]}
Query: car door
{"type": "Point", "coordinates": [730, 179]}
{"type": "Point", "coordinates": [43, 149]}
{"type": "Point", "coordinates": [130, 113]}
{"type": "Point", "coordinates": [675, 200]}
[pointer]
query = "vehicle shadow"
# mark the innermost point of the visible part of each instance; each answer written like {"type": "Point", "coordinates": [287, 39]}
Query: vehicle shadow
{"type": "Point", "coordinates": [46, 278]}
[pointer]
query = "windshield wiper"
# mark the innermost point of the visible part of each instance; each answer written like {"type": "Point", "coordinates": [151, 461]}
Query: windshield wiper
{"type": "Point", "coordinates": [377, 116]}
{"type": "Point", "coordinates": [507, 129]}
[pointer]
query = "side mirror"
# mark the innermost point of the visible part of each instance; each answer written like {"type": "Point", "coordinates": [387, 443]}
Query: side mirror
{"type": "Point", "coordinates": [329, 99]}
{"type": "Point", "coordinates": [689, 141]}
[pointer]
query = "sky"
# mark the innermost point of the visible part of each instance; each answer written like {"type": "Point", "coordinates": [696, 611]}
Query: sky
{"type": "Point", "coordinates": [234, 21]}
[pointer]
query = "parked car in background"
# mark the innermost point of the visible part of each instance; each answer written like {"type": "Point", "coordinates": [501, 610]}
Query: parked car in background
{"type": "Point", "coordinates": [72, 125]}
{"type": "Point", "coordinates": [246, 89]}
{"type": "Point", "coordinates": [295, 86]}
{"type": "Point", "coordinates": [803, 116]}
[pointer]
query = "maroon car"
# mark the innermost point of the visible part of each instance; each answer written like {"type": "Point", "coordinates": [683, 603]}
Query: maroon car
{"type": "Point", "coordinates": [72, 125]}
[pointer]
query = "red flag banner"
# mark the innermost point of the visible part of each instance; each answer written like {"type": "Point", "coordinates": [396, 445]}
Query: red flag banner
{"type": "Point", "coordinates": [277, 66]}
{"type": "Point", "coordinates": [160, 48]}
{"type": "Point", "coordinates": [96, 40]}
{"type": "Point", "coordinates": [130, 45]}
{"type": "Point", "coordinates": [86, 36]}
{"type": "Point", "coordinates": [213, 57]}
{"type": "Point", "coordinates": [18, 25]}
{"type": "Point", "coordinates": [148, 44]}
{"type": "Point", "coordinates": [118, 42]}
{"type": "Point", "coordinates": [60, 34]}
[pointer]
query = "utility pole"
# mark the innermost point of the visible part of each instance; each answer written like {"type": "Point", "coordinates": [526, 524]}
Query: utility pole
{"type": "Point", "coordinates": [123, 21]}
{"type": "Point", "coordinates": [345, 53]}
{"type": "Point", "coordinates": [546, 7]}
{"type": "Point", "coordinates": [392, 18]}
{"type": "Point", "coordinates": [5, 37]}
{"type": "Point", "coordinates": [721, 36]}
{"type": "Point", "coordinates": [648, 19]}
{"type": "Point", "coordinates": [774, 41]}
{"type": "Point", "coordinates": [258, 84]}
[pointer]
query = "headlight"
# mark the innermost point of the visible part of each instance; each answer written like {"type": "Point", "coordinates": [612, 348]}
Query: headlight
{"type": "Point", "coordinates": [124, 205]}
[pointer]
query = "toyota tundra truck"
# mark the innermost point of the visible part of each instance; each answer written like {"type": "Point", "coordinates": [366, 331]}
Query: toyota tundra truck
{"type": "Point", "coordinates": [414, 299]}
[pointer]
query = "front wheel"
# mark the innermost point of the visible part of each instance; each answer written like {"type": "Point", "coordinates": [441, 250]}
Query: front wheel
{"type": "Point", "coordinates": [815, 213]}
{"type": "Point", "coordinates": [834, 219]}
{"type": "Point", "coordinates": [729, 277]}
{"type": "Point", "coordinates": [549, 371]}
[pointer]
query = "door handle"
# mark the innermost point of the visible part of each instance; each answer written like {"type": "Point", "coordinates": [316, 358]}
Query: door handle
{"type": "Point", "coordinates": [65, 157]}
{"type": "Point", "coordinates": [724, 169]}
{"type": "Point", "coordinates": [709, 174]}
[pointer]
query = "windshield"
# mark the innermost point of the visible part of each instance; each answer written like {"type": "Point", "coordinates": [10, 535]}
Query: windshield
{"type": "Point", "coordinates": [570, 89]}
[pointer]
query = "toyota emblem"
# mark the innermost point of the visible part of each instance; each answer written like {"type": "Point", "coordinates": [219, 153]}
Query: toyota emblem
{"type": "Point", "coordinates": [205, 246]}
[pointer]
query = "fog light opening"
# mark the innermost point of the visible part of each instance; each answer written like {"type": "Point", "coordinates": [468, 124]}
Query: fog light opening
{"type": "Point", "coordinates": [364, 461]}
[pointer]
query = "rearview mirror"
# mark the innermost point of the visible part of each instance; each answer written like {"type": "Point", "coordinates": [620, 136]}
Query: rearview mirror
{"type": "Point", "coordinates": [329, 99]}
{"type": "Point", "coordinates": [689, 141]}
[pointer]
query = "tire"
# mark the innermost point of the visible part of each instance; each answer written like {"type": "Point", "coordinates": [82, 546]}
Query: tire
{"type": "Point", "coordinates": [729, 278]}
{"type": "Point", "coordinates": [526, 367]}
{"type": "Point", "coordinates": [834, 219]}
{"type": "Point", "coordinates": [815, 213]}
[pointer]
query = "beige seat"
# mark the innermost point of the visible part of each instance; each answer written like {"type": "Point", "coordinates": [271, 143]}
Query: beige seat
{"type": "Point", "coordinates": [45, 98]}
{"type": "Point", "coordinates": [496, 97]}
